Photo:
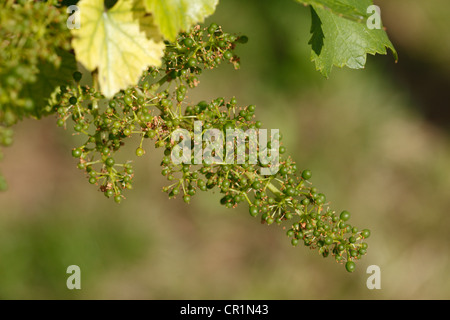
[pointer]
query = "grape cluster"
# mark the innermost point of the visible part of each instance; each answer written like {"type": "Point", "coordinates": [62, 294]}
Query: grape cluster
{"type": "Point", "coordinates": [157, 106]}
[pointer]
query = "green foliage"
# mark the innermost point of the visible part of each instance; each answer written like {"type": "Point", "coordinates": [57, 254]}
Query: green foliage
{"type": "Point", "coordinates": [30, 35]}
{"type": "Point", "coordinates": [340, 41]}
{"type": "Point", "coordinates": [144, 56]}
{"type": "Point", "coordinates": [174, 16]}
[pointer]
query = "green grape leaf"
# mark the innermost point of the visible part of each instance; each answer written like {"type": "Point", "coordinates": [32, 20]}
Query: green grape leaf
{"type": "Point", "coordinates": [341, 37]}
{"type": "Point", "coordinates": [115, 42]}
{"type": "Point", "coordinates": [49, 79]}
{"type": "Point", "coordinates": [173, 16]}
{"type": "Point", "coordinates": [350, 9]}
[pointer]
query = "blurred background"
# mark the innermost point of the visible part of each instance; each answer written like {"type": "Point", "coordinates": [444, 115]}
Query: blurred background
{"type": "Point", "coordinates": [377, 141]}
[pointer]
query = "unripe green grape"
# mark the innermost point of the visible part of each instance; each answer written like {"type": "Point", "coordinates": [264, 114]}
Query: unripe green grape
{"type": "Point", "coordinates": [128, 100]}
{"type": "Point", "coordinates": [350, 266]}
{"type": "Point", "coordinates": [328, 240]}
{"type": "Point", "coordinates": [345, 215]}
{"type": "Point", "coordinates": [188, 42]}
{"type": "Point", "coordinates": [228, 55]}
{"type": "Point", "coordinates": [110, 162]}
{"type": "Point", "coordinates": [365, 233]}
{"type": "Point", "coordinates": [212, 28]}
{"type": "Point", "coordinates": [256, 185]}
{"type": "Point", "coordinates": [109, 193]}
{"type": "Point", "coordinates": [77, 76]}
{"type": "Point", "coordinates": [192, 62]}
{"type": "Point", "coordinates": [118, 198]}
{"type": "Point", "coordinates": [76, 153]}
{"type": "Point", "coordinates": [73, 100]}
{"type": "Point", "coordinates": [140, 152]}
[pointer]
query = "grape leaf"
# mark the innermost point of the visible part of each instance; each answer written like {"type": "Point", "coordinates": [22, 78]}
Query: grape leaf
{"type": "Point", "coordinates": [115, 41]}
{"type": "Point", "coordinates": [353, 10]}
{"type": "Point", "coordinates": [340, 39]}
{"type": "Point", "coordinates": [173, 16]}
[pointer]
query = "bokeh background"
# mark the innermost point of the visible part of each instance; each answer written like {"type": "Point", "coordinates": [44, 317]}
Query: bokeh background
{"type": "Point", "coordinates": [376, 140]}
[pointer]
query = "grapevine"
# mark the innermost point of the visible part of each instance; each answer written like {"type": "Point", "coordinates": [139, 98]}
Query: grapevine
{"type": "Point", "coordinates": [171, 49]}
{"type": "Point", "coordinates": [157, 106]}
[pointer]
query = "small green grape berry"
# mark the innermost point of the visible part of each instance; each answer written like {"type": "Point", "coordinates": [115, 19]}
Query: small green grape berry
{"type": "Point", "coordinates": [350, 266]}
{"type": "Point", "coordinates": [256, 185]}
{"type": "Point", "coordinates": [128, 100]}
{"type": "Point", "coordinates": [140, 152]}
{"type": "Point", "coordinates": [76, 153]}
{"type": "Point", "coordinates": [92, 180]}
{"type": "Point", "coordinates": [112, 104]}
{"type": "Point", "coordinates": [290, 191]}
{"type": "Point", "coordinates": [118, 198]}
{"type": "Point", "coordinates": [242, 39]}
{"type": "Point", "coordinates": [228, 55]}
{"type": "Point", "coordinates": [187, 198]}
{"type": "Point", "coordinates": [192, 62]}
{"type": "Point", "coordinates": [188, 42]}
{"type": "Point", "coordinates": [110, 162]}
{"type": "Point", "coordinates": [365, 233]}
{"type": "Point", "coordinates": [294, 241]}
{"type": "Point", "coordinates": [345, 215]}
{"type": "Point", "coordinates": [328, 240]}
{"type": "Point", "coordinates": [77, 76]}
{"type": "Point", "coordinates": [109, 193]}
{"type": "Point", "coordinates": [73, 100]}
{"type": "Point", "coordinates": [253, 211]}
{"type": "Point", "coordinates": [212, 28]}
{"type": "Point", "coordinates": [306, 174]}
{"type": "Point", "coordinates": [290, 233]}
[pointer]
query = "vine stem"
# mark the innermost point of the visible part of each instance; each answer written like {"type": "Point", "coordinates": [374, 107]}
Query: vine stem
{"type": "Point", "coordinates": [95, 85]}
{"type": "Point", "coordinates": [270, 186]}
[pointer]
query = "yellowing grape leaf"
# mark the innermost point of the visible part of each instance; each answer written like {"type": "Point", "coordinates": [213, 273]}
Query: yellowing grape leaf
{"type": "Point", "coordinates": [115, 41]}
{"type": "Point", "coordinates": [173, 16]}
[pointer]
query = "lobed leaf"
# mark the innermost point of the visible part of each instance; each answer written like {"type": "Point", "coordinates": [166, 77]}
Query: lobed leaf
{"type": "Point", "coordinates": [173, 16]}
{"type": "Point", "coordinates": [116, 43]}
{"type": "Point", "coordinates": [340, 36]}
